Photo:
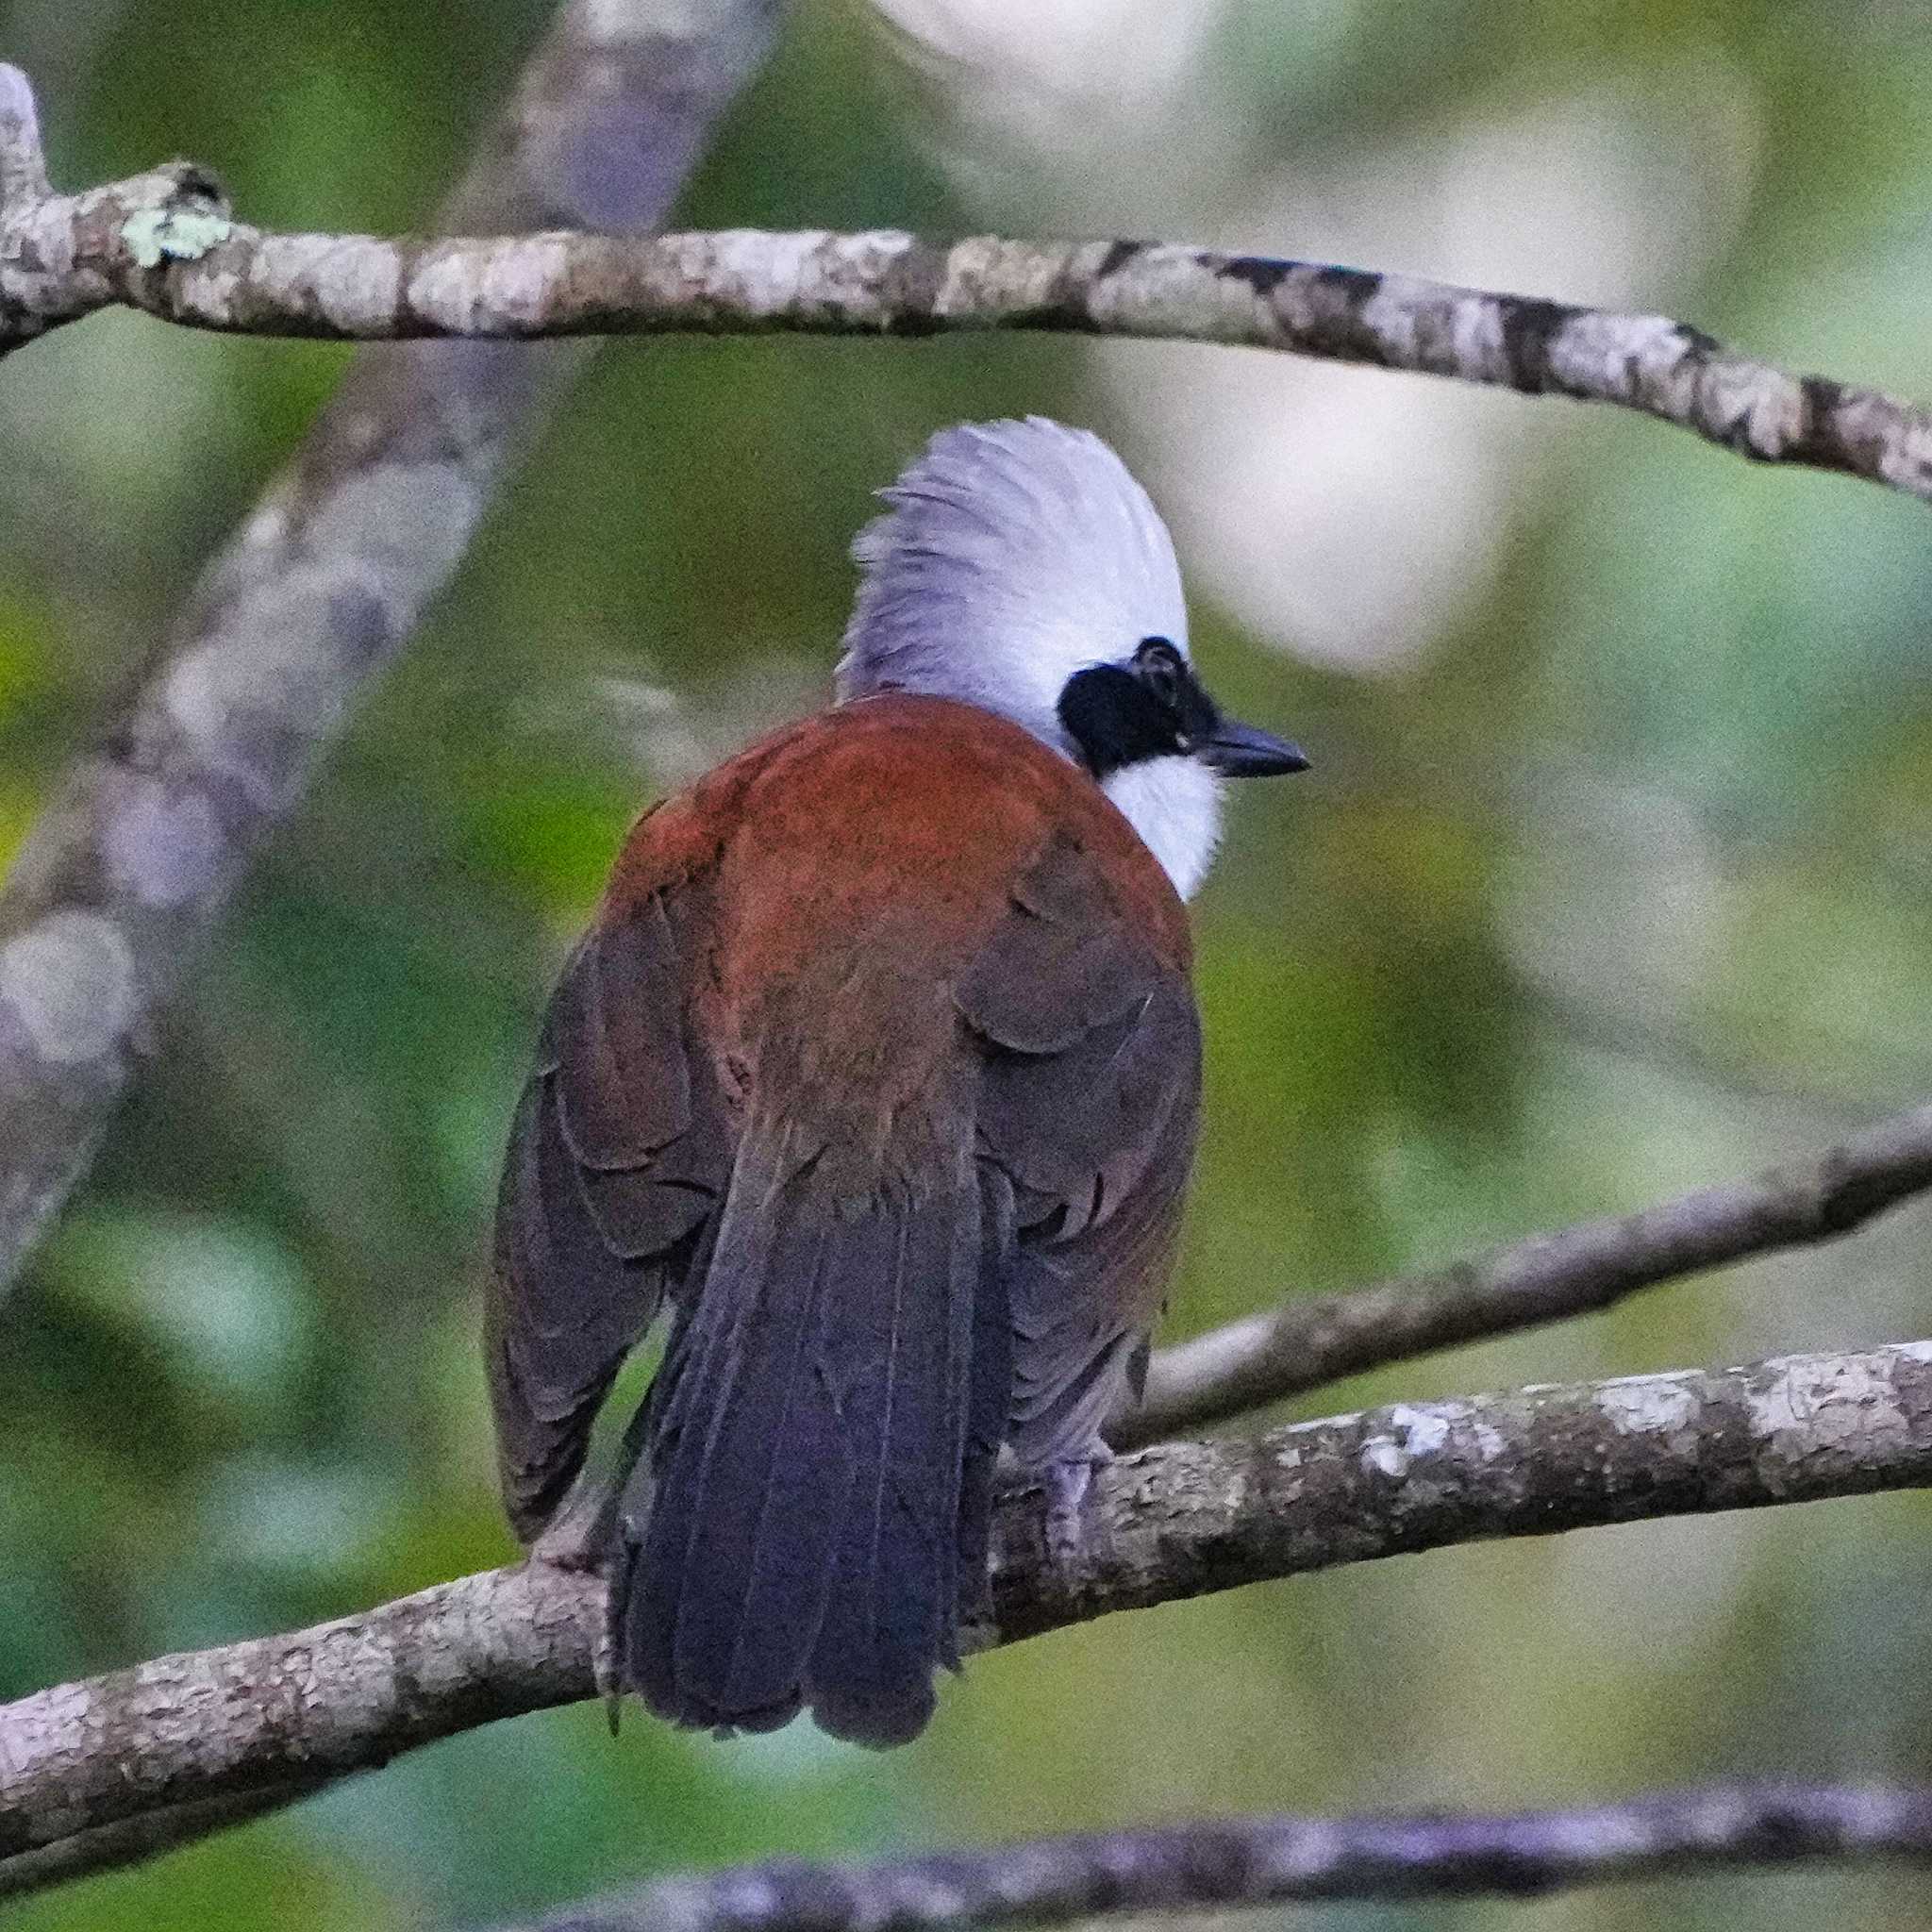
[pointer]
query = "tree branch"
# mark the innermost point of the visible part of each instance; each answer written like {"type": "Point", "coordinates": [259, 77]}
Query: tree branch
{"type": "Point", "coordinates": [140, 853]}
{"type": "Point", "coordinates": [1263, 1861]}
{"type": "Point", "coordinates": [1309, 1342]}
{"type": "Point", "coordinates": [359, 286]}
{"type": "Point", "coordinates": [62, 255]}
{"type": "Point", "coordinates": [140, 847]}
{"type": "Point", "coordinates": [1170, 1523]}
{"type": "Point", "coordinates": [133, 1841]}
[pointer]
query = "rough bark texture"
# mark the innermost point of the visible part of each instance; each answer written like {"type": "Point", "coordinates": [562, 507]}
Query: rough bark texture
{"type": "Point", "coordinates": [55, 248]}
{"type": "Point", "coordinates": [206, 271]}
{"type": "Point", "coordinates": [1169, 1523]}
{"type": "Point", "coordinates": [1262, 1861]}
{"type": "Point", "coordinates": [140, 847]}
{"type": "Point", "coordinates": [1547, 1278]}
{"type": "Point", "coordinates": [283, 1714]}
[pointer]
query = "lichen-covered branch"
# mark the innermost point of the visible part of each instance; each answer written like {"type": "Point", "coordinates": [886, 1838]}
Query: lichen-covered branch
{"type": "Point", "coordinates": [1221, 1863]}
{"type": "Point", "coordinates": [1312, 1341]}
{"type": "Point", "coordinates": [1173, 1521]}
{"type": "Point", "coordinates": [60, 253]}
{"type": "Point", "coordinates": [359, 286]}
{"type": "Point", "coordinates": [139, 848]}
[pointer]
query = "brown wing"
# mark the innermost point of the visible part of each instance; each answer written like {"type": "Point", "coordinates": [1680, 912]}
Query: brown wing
{"type": "Point", "coordinates": [1089, 1097]}
{"type": "Point", "coordinates": [616, 1160]}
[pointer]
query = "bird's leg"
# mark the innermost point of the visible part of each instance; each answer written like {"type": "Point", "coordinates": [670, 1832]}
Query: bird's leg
{"type": "Point", "coordinates": [1067, 1483]}
{"type": "Point", "coordinates": [578, 1536]}
{"type": "Point", "coordinates": [586, 1536]}
{"type": "Point", "coordinates": [583, 1534]}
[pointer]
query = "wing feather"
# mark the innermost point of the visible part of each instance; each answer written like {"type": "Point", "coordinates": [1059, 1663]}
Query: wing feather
{"type": "Point", "coordinates": [1088, 1094]}
{"type": "Point", "coordinates": [605, 1192]}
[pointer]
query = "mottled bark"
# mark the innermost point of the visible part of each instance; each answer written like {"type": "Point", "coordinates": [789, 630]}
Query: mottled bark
{"type": "Point", "coordinates": [140, 847]}
{"type": "Point", "coordinates": [737, 281]}
{"type": "Point", "coordinates": [1311, 1340]}
{"type": "Point", "coordinates": [1168, 1523]}
{"type": "Point", "coordinates": [54, 247]}
{"type": "Point", "coordinates": [1263, 1861]}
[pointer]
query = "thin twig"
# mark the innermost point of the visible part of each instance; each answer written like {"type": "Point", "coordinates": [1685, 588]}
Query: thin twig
{"type": "Point", "coordinates": [1311, 1341]}
{"type": "Point", "coordinates": [1173, 1521]}
{"type": "Point", "coordinates": [133, 1841]}
{"type": "Point", "coordinates": [145, 839]}
{"type": "Point", "coordinates": [1268, 1861]}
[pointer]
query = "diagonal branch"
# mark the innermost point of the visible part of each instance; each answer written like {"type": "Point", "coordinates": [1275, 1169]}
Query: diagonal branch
{"type": "Point", "coordinates": [1311, 1341]}
{"type": "Point", "coordinates": [1170, 1523]}
{"type": "Point", "coordinates": [142, 844]}
{"type": "Point", "coordinates": [1221, 1863]}
{"type": "Point", "coordinates": [363, 287]}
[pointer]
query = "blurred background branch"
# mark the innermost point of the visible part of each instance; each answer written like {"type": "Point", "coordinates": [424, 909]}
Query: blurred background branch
{"type": "Point", "coordinates": [1175, 1522]}
{"type": "Point", "coordinates": [140, 847]}
{"type": "Point", "coordinates": [1574, 1270]}
{"type": "Point", "coordinates": [1221, 1864]}
{"type": "Point", "coordinates": [147, 1835]}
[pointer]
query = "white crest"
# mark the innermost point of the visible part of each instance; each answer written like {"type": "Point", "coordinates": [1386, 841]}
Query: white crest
{"type": "Point", "coordinates": [1012, 555]}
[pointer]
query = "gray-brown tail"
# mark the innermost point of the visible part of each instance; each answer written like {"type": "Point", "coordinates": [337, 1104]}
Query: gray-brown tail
{"type": "Point", "coordinates": [809, 1519]}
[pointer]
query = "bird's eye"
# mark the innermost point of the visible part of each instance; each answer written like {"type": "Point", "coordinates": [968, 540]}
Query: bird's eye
{"type": "Point", "coordinates": [1157, 665]}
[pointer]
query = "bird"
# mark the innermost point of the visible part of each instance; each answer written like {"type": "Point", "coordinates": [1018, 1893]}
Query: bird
{"type": "Point", "coordinates": [878, 1073]}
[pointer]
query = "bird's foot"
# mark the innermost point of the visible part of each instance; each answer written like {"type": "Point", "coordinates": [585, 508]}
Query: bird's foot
{"type": "Point", "coordinates": [607, 1674]}
{"type": "Point", "coordinates": [580, 1539]}
{"type": "Point", "coordinates": [1067, 1484]}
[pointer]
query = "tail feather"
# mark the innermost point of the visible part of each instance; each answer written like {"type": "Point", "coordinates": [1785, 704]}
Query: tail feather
{"type": "Point", "coordinates": [795, 1533]}
{"type": "Point", "coordinates": [990, 1394]}
{"type": "Point", "coordinates": [691, 1510]}
{"type": "Point", "coordinates": [890, 1616]}
{"type": "Point", "coordinates": [768, 1490]}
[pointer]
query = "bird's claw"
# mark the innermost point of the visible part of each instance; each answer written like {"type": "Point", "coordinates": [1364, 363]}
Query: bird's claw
{"type": "Point", "coordinates": [1067, 1484]}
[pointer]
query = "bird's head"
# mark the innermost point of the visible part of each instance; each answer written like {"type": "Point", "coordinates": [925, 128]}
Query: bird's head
{"type": "Point", "coordinates": [1021, 568]}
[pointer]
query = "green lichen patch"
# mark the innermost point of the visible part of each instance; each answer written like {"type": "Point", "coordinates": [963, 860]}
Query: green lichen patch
{"type": "Point", "coordinates": [176, 234]}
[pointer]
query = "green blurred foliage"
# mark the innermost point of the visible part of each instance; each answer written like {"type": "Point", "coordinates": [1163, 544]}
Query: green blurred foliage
{"type": "Point", "coordinates": [1617, 885]}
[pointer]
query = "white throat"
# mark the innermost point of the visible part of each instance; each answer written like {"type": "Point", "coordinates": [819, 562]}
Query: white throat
{"type": "Point", "coordinates": [1174, 803]}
